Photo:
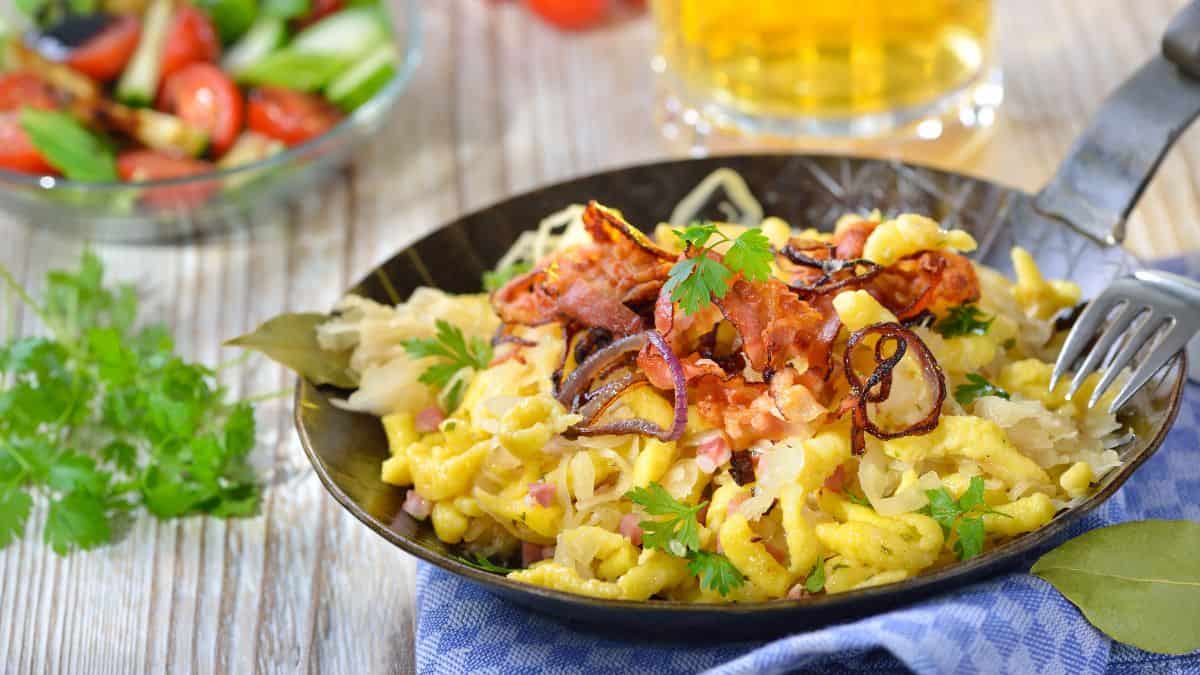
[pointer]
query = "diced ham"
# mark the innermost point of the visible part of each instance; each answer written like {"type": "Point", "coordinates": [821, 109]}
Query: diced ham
{"type": "Point", "coordinates": [531, 553]}
{"type": "Point", "coordinates": [777, 553]}
{"type": "Point", "coordinates": [429, 419]}
{"type": "Point", "coordinates": [542, 494]}
{"type": "Point", "coordinates": [416, 506]}
{"type": "Point", "coordinates": [713, 453]}
{"type": "Point", "coordinates": [630, 528]}
{"type": "Point", "coordinates": [836, 481]}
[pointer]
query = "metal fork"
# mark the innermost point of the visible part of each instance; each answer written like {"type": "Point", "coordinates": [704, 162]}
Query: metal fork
{"type": "Point", "coordinates": [1145, 306]}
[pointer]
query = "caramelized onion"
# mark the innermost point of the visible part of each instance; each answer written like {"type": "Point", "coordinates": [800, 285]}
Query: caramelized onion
{"type": "Point", "coordinates": [878, 385]}
{"type": "Point", "coordinates": [836, 273]}
{"type": "Point", "coordinates": [575, 388]}
{"type": "Point", "coordinates": [580, 379]}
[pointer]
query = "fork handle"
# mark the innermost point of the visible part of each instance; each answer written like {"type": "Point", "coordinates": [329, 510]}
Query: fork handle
{"type": "Point", "coordinates": [1104, 174]}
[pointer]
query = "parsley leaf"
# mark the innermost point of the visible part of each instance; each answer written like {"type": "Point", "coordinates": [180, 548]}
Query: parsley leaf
{"type": "Point", "coordinates": [482, 562]}
{"type": "Point", "coordinates": [964, 320]}
{"type": "Point", "coordinates": [970, 538]}
{"type": "Point", "coordinates": [977, 387]}
{"type": "Point", "coordinates": [815, 582]}
{"type": "Point", "coordinates": [101, 417]}
{"type": "Point", "coordinates": [751, 255]}
{"type": "Point", "coordinates": [679, 533]}
{"type": "Point", "coordinates": [494, 280]}
{"type": "Point", "coordinates": [14, 511]}
{"type": "Point", "coordinates": [696, 280]}
{"type": "Point", "coordinates": [456, 354]}
{"type": "Point", "coordinates": [715, 571]}
{"type": "Point", "coordinates": [962, 517]}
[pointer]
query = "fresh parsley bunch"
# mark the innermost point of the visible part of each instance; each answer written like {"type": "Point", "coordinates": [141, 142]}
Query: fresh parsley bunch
{"type": "Point", "coordinates": [678, 533]}
{"type": "Point", "coordinates": [102, 418]}
{"type": "Point", "coordinates": [695, 281]}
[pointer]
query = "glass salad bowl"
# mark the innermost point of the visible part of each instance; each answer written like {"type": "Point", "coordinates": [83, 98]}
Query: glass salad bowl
{"type": "Point", "coordinates": [170, 209]}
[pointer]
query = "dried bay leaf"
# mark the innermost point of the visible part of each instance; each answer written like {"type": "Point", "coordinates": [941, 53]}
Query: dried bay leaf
{"type": "Point", "coordinates": [291, 340]}
{"type": "Point", "coordinates": [1137, 582]}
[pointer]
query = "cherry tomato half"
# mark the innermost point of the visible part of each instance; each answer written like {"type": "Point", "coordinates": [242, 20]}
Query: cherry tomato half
{"type": "Point", "coordinates": [320, 10]}
{"type": "Point", "coordinates": [570, 14]}
{"type": "Point", "coordinates": [192, 38]}
{"type": "Point", "coordinates": [289, 116]}
{"type": "Point", "coordinates": [202, 94]}
{"type": "Point", "coordinates": [143, 165]}
{"type": "Point", "coordinates": [105, 55]}
{"type": "Point", "coordinates": [20, 89]}
{"type": "Point", "coordinates": [16, 150]}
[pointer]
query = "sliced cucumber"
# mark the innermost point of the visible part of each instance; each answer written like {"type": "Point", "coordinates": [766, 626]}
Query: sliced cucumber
{"type": "Point", "coordinates": [250, 147]}
{"type": "Point", "coordinates": [139, 82]}
{"type": "Point", "coordinates": [364, 79]}
{"type": "Point", "coordinates": [260, 40]}
{"type": "Point", "coordinates": [302, 71]}
{"type": "Point", "coordinates": [348, 34]}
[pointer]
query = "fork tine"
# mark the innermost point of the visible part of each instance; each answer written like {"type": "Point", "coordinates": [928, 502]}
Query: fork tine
{"type": "Point", "coordinates": [1171, 343]}
{"type": "Point", "coordinates": [1084, 329]}
{"type": "Point", "coordinates": [1121, 321]}
{"type": "Point", "coordinates": [1153, 323]}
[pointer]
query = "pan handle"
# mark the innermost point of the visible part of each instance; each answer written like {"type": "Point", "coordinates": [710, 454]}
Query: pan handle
{"type": "Point", "coordinates": [1104, 174]}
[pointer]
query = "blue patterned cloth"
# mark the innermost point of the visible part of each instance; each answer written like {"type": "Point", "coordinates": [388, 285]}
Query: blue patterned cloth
{"type": "Point", "coordinates": [1011, 624]}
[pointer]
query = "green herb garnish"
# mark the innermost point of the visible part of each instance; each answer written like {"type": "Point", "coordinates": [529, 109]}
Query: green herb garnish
{"type": "Point", "coordinates": [482, 562]}
{"type": "Point", "coordinates": [856, 499]}
{"type": "Point", "coordinates": [815, 583]}
{"type": "Point", "coordinates": [962, 517]}
{"type": "Point", "coordinates": [977, 387]}
{"type": "Point", "coordinates": [455, 353]}
{"type": "Point", "coordinates": [102, 418]}
{"type": "Point", "coordinates": [679, 534]}
{"type": "Point", "coordinates": [494, 280]}
{"type": "Point", "coordinates": [698, 279]}
{"type": "Point", "coordinates": [715, 571]}
{"type": "Point", "coordinates": [964, 320]}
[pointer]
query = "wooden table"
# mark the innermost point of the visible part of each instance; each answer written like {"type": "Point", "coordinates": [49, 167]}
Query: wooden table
{"type": "Point", "coordinates": [500, 104]}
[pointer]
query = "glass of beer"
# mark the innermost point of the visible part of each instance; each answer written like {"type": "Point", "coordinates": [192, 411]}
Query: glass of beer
{"type": "Point", "coordinates": [831, 68]}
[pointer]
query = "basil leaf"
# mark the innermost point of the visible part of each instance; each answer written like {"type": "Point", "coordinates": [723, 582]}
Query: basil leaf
{"type": "Point", "coordinates": [291, 340]}
{"type": "Point", "coordinates": [1137, 582]}
{"type": "Point", "coordinates": [68, 146]}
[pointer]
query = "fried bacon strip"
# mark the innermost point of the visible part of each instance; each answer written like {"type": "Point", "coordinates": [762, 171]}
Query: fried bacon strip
{"type": "Point", "coordinates": [593, 284]}
{"type": "Point", "coordinates": [878, 385]}
{"type": "Point", "coordinates": [929, 281]}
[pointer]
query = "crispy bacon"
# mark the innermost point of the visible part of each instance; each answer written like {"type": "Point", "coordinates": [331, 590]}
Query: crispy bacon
{"type": "Point", "coordinates": [593, 283]}
{"type": "Point", "coordinates": [929, 281]}
{"type": "Point", "coordinates": [775, 325]}
{"type": "Point", "coordinates": [851, 238]}
{"type": "Point", "coordinates": [744, 410]}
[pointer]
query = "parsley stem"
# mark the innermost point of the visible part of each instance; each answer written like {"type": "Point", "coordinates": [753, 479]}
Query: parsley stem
{"type": "Point", "coordinates": [16, 287]}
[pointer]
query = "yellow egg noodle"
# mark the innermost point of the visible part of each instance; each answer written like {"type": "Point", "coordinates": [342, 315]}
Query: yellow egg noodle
{"type": "Point", "coordinates": [501, 475]}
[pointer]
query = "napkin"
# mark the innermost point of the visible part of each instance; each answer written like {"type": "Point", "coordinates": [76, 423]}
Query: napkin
{"type": "Point", "coordinates": [1011, 624]}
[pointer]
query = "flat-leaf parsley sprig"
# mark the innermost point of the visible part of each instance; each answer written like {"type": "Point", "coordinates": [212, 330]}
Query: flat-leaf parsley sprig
{"type": "Point", "coordinates": [101, 418]}
{"type": "Point", "coordinates": [977, 387]}
{"type": "Point", "coordinates": [964, 320]}
{"type": "Point", "coordinates": [963, 517]}
{"type": "Point", "coordinates": [698, 279]}
{"type": "Point", "coordinates": [678, 533]}
{"type": "Point", "coordinates": [455, 354]}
